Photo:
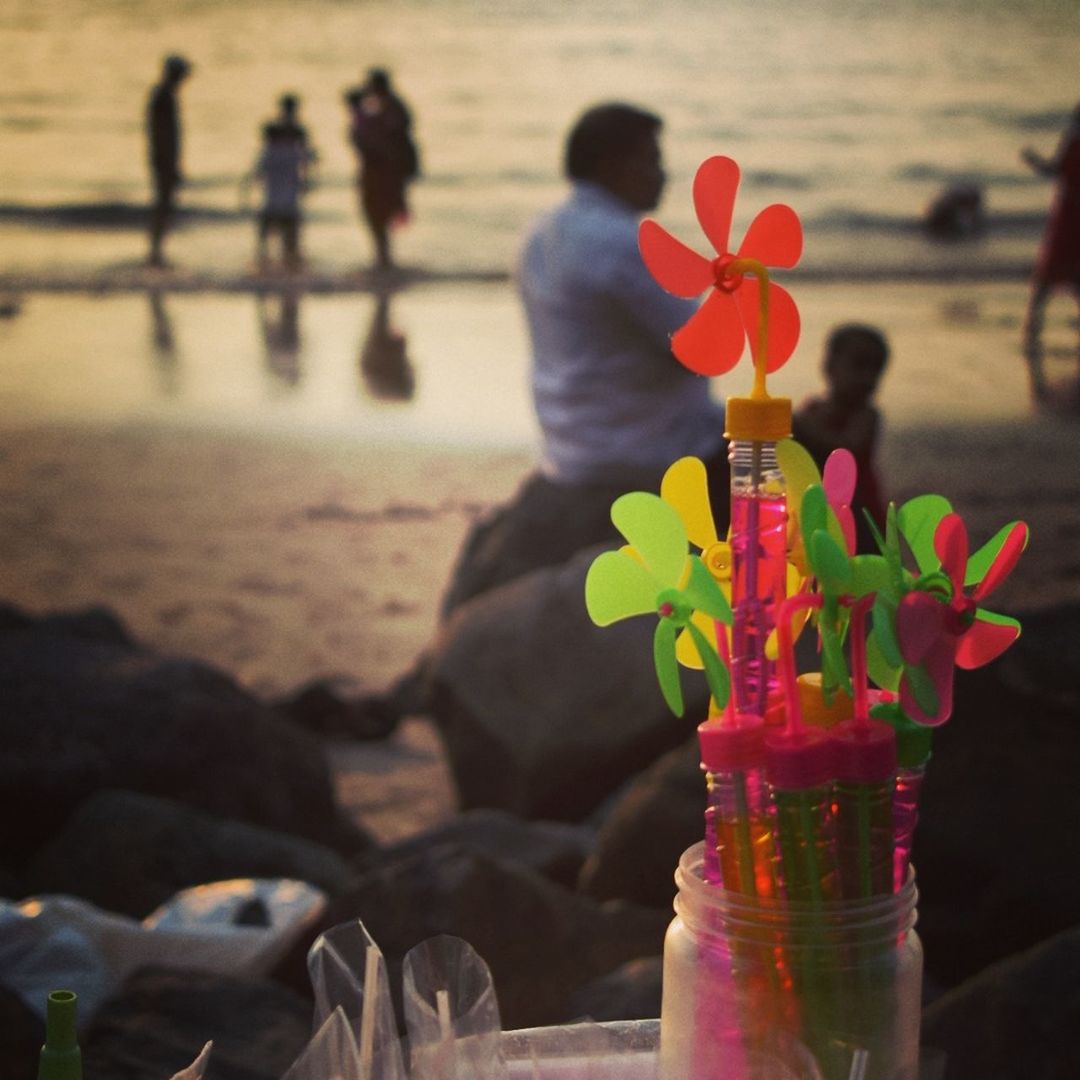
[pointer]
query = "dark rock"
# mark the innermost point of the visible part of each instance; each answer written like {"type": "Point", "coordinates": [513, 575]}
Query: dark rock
{"type": "Point", "coordinates": [551, 848]}
{"type": "Point", "coordinates": [128, 853]}
{"type": "Point", "coordinates": [1044, 662]}
{"type": "Point", "coordinates": [543, 713]}
{"type": "Point", "coordinates": [159, 1021]}
{"type": "Point", "coordinates": [21, 1036]}
{"type": "Point", "coordinates": [1015, 1020]}
{"type": "Point", "coordinates": [998, 801]}
{"type": "Point", "coordinates": [630, 992]}
{"type": "Point", "coordinates": [322, 707]}
{"type": "Point", "coordinates": [540, 940]}
{"type": "Point", "coordinates": [82, 713]}
{"type": "Point", "coordinates": [656, 818]}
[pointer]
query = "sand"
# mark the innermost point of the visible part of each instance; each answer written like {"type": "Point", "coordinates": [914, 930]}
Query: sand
{"type": "Point", "coordinates": [286, 558]}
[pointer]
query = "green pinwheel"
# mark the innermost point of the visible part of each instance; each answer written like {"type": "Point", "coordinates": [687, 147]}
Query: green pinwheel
{"type": "Point", "coordinates": [656, 574]}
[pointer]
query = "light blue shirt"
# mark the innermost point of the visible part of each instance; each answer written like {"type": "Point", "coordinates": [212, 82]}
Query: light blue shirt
{"type": "Point", "coordinates": [607, 390]}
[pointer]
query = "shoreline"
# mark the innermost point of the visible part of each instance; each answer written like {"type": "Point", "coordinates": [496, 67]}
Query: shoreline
{"type": "Point", "coordinates": [137, 277]}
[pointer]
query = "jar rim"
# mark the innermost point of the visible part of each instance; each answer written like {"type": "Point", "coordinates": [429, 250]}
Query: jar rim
{"type": "Point", "coordinates": [707, 905]}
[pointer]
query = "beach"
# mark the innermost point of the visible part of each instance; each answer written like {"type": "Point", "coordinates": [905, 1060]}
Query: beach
{"type": "Point", "coordinates": [282, 553]}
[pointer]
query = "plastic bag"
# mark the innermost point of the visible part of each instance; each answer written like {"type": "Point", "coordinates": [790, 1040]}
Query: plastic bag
{"type": "Point", "coordinates": [51, 941]}
{"type": "Point", "coordinates": [348, 972]}
{"type": "Point", "coordinates": [451, 1013]}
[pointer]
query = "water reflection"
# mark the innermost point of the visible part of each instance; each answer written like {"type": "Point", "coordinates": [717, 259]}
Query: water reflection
{"type": "Point", "coordinates": [163, 344]}
{"type": "Point", "coordinates": [384, 363]}
{"type": "Point", "coordinates": [279, 322]}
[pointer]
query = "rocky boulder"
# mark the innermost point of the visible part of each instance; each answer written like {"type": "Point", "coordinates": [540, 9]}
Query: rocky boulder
{"type": "Point", "coordinates": [543, 713]}
{"type": "Point", "coordinates": [129, 853]}
{"type": "Point", "coordinates": [540, 940]}
{"type": "Point", "coordinates": [84, 709]}
{"type": "Point", "coordinates": [160, 1020]}
{"type": "Point", "coordinates": [1014, 1020]}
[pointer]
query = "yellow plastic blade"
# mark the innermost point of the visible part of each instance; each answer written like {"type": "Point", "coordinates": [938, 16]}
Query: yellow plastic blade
{"type": "Point", "coordinates": [686, 487]}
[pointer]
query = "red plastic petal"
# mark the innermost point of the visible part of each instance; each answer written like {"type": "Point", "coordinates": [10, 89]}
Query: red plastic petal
{"type": "Point", "coordinates": [712, 341]}
{"type": "Point", "coordinates": [951, 547]}
{"type": "Point", "coordinates": [939, 666]}
{"type": "Point", "coordinates": [783, 320]}
{"type": "Point", "coordinates": [715, 185]}
{"type": "Point", "coordinates": [1004, 561]}
{"type": "Point", "coordinates": [920, 625]}
{"type": "Point", "coordinates": [775, 237]}
{"type": "Point", "coordinates": [983, 642]}
{"type": "Point", "coordinates": [677, 268]}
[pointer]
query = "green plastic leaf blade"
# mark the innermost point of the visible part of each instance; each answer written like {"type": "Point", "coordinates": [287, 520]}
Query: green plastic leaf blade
{"type": "Point", "coordinates": [918, 520]}
{"type": "Point", "coordinates": [881, 672]}
{"type": "Point", "coordinates": [869, 574]}
{"type": "Point", "coordinates": [703, 594]}
{"type": "Point", "coordinates": [667, 666]}
{"type": "Point", "coordinates": [716, 673]}
{"type": "Point", "coordinates": [617, 587]}
{"type": "Point", "coordinates": [883, 631]}
{"type": "Point", "coordinates": [830, 563]}
{"type": "Point", "coordinates": [655, 530]}
{"type": "Point", "coordinates": [813, 514]}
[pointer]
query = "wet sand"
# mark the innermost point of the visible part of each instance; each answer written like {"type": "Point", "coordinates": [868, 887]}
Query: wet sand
{"type": "Point", "coordinates": [291, 556]}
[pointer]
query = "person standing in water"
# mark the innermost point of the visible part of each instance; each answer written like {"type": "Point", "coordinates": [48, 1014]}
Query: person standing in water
{"type": "Point", "coordinates": [1058, 262]}
{"type": "Point", "coordinates": [380, 130]}
{"type": "Point", "coordinates": [163, 138]}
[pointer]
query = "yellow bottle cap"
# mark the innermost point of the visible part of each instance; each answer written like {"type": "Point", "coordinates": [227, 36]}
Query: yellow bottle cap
{"type": "Point", "coordinates": [762, 419]}
{"type": "Point", "coordinates": [816, 712]}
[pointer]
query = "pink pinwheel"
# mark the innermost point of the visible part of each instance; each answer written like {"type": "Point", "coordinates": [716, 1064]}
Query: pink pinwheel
{"type": "Point", "coordinates": [935, 633]}
{"type": "Point", "coordinates": [713, 340]}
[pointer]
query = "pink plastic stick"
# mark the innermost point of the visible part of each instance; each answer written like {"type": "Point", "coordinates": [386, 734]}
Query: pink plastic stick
{"type": "Point", "coordinates": [857, 634]}
{"type": "Point", "coordinates": [786, 659]}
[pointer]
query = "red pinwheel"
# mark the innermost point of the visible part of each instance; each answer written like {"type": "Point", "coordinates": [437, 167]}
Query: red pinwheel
{"type": "Point", "coordinates": [935, 633]}
{"type": "Point", "coordinates": [712, 342]}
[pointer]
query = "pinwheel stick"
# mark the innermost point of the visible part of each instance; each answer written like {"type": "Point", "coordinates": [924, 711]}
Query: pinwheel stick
{"type": "Point", "coordinates": [760, 353]}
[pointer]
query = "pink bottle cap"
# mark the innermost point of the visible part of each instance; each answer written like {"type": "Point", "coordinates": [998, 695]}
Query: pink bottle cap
{"type": "Point", "coordinates": [798, 759]}
{"type": "Point", "coordinates": [865, 752]}
{"type": "Point", "coordinates": [732, 745]}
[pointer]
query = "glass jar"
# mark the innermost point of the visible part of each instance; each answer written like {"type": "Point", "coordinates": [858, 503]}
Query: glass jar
{"type": "Point", "coordinates": [772, 989]}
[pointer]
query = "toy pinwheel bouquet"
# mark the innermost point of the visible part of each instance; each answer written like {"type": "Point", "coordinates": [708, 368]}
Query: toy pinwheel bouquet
{"type": "Point", "coordinates": [793, 951]}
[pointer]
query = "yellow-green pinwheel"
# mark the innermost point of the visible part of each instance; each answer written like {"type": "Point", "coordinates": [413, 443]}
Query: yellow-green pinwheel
{"type": "Point", "coordinates": [656, 574]}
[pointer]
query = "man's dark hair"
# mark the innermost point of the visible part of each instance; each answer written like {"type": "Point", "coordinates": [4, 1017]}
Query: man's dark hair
{"type": "Point", "coordinates": [603, 134]}
{"type": "Point", "coordinates": [865, 342]}
{"type": "Point", "coordinates": [288, 104]}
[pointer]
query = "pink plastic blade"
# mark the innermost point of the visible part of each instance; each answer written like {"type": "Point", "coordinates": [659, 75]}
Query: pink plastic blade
{"type": "Point", "coordinates": [839, 478]}
{"type": "Point", "coordinates": [775, 237]}
{"type": "Point", "coordinates": [985, 641]}
{"type": "Point", "coordinates": [920, 624]}
{"type": "Point", "coordinates": [712, 341]}
{"type": "Point", "coordinates": [1004, 561]}
{"type": "Point", "coordinates": [951, 547]}
{"type": "Point", "coordinates": [939, 666]}
{"type": "Point", "coordinates": [715, 185]}
{"type": "Point", "coordinates": [677, 268]}
{"type": "Point", "coordinates": [783, 320]}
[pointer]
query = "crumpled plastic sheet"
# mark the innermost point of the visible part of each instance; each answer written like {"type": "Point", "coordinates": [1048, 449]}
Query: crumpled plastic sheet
{"type": "Point", "coordinates": [48, 942]}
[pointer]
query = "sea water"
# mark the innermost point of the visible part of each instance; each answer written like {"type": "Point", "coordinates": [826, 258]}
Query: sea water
{"type": "Point", "coordinates": [855, 113]}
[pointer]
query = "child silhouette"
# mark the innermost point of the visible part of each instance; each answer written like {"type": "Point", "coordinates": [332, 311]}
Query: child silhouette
{"type": "Point", "coordinates": [845, 416]}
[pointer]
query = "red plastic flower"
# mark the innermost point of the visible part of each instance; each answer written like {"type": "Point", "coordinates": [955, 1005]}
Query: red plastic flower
{"type": "Point", "coordinates": [713, 340]}
{"type": "Point", "coordinates": [937, 634]}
